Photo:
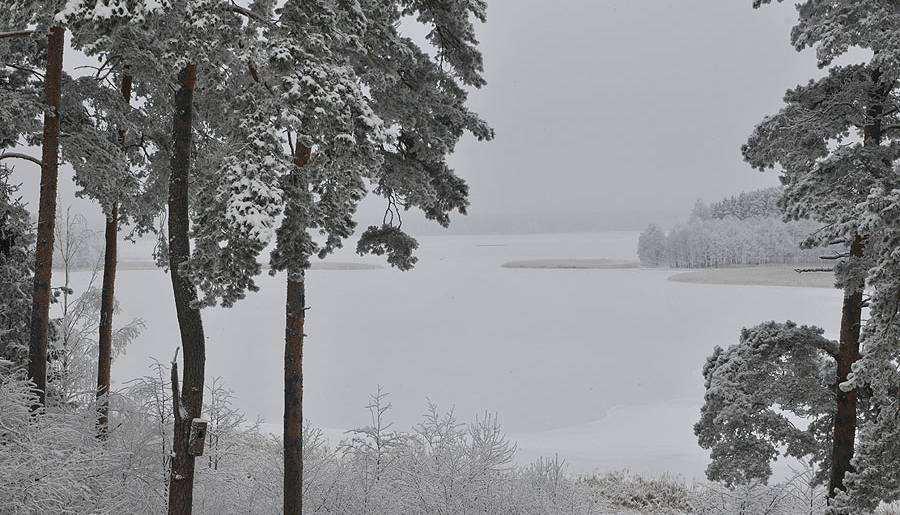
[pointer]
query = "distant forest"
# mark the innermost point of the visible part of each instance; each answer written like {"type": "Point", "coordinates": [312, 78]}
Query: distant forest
{"type": "Point", "coordinates": [745, 229]}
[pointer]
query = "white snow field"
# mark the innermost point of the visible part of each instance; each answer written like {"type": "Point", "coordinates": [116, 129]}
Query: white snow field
{"type": "Point", "coordinates": [602, 367]}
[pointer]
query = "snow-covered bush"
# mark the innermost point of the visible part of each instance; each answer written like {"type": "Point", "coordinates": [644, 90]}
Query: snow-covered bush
{"type": "Point", "coordinates": [626, 491]}
{"type": "Point", "coordinates": [441, 466]}
{"type": "Point", "coordinates": [53, 462]}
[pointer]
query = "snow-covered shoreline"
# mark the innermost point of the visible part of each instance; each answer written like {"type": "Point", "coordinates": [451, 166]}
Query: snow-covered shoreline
{"type": "Point", "coordinates": [574, 264]}
{"type": "Point", "coordinates": [763, 275]}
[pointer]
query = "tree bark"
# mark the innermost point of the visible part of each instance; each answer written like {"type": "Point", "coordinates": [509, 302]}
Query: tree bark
{"type": "Point", "coordinates": [181, 480]}
{"type": "Point", "coordinates": [107, 301]}
{"type": "Point", "coordinates": [293, 393]}
{"type": "Point", "coordinates": [844, 436]}
{"type": "Point", "coordinates": [43, 268]}
{"type": "Point", "coordinates": [108, 297]}
{"type": "Point", "coordinates": [295, 317]}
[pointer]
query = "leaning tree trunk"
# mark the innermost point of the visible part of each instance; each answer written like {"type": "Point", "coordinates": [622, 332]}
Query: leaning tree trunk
{"type": "Point", "coordinates": [40, 305]}
{"type": "Point", "coordinates": [108, 296]}
{"type": "Point", "coordinates": [189, 404]}
{"type": "Point", "coordinates": [295, 315]}
{"type": "Point", "coordinates": [844, 437]}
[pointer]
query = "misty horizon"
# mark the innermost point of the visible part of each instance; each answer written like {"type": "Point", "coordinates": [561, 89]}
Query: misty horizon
{"type": "Point", "coordinates": [635, 136]}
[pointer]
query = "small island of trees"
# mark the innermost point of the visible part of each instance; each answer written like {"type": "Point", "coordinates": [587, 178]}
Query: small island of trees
{"type": "Point", "coordinates": [744, 229]}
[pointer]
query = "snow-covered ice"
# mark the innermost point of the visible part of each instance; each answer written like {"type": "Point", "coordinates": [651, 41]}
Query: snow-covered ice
{"type": "Point", "coordinates": [602, 367]}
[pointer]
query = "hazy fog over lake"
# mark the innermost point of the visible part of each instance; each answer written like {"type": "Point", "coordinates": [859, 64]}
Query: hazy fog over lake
{"type": "Point", "coordinates": [608, 356]}
{"type": "Point", "coordinates": [608, 114]}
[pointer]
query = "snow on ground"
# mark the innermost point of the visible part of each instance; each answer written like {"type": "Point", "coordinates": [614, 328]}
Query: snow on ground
{"type": "Point", "coordinates": [574, 264]}
{"type": "Point", "coordinates": [766, 275]}
{"type": "Point", "coordinates": [651, 439]}
{"type": "Point", "coordinates": [602, 367]}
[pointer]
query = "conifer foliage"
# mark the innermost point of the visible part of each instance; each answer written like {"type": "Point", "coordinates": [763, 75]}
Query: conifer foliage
{"type": "Point", "coordinates": [16, 275]}
{"type": "Point", "coordinates": [284, 117]}
{"type": "Point", "coordinates": [835, 145]}
{"type": "Point", "coordinates": [336, 103]}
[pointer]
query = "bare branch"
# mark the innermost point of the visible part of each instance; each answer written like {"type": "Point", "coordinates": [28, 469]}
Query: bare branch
{"type": "Point", "coordinates": [248, 13]}
{"type": "Point", "coordinates": [16, 33]}
{"type": "Point", "coordinates": [24, 69]}
{"type": "Point", "coordinates": [808, 270]}
{"type": "Point", "coordinates": [18, 155]}
{"type": "Point", "coordinates": [829, 347]}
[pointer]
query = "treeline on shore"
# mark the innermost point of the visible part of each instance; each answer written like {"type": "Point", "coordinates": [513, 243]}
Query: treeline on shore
{"type": "Point", "coordinates": [745, 229]}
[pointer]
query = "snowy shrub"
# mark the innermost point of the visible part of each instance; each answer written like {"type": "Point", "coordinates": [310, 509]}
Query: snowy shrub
{"type": "Point", "coordinates": [625, 491]}
{"type": "Point", "coordinates": [797, 495]}
{"type": "Point", "coordinates": [441, 466]}
{"type": "Point", "coordinates": [73, 371]}
{"type": "Point", "coordinates": [53, 462]}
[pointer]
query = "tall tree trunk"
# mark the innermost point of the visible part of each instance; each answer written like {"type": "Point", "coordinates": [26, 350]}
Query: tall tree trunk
{"type": "Point", "coordinates": [40, 306]}
{"type": "Point", "coordinates": [295, 316]}
{"type": "Point", "coordinates": [107, 301]}
{"type": "Point", "coordinates": [108, 296]}
{"type": "Point", "coordinates": [293, 393]}
{"type": "Point", "coordinates": [844, 436]}
{"type": "Point", "coordinates": [181, 479]}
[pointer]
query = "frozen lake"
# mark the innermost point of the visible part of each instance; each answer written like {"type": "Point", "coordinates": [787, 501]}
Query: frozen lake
{"type": "Point", "coordinates": [602, 367]}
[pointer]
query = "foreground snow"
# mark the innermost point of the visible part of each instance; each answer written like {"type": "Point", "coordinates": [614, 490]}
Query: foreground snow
{"type": "Point", "coordinates": [53, 462]}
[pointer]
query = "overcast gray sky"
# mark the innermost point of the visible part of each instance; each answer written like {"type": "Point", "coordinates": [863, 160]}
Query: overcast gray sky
{"type": "Point", "coordinates": [625, 107]}
{"type": "Point", "coordinates": [613, 113]}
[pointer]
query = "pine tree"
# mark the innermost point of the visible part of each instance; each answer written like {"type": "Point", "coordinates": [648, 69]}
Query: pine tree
{"type": "Point", "coordinates": [155, 43]}
{"type": "Point", "coordinates": [20, 108]}
{"type": "Point", "coordinates": [90, 115]}
{"type": "Point", "coordinates": [833, 144]}
{"type": "Point", "coordinates": [81, 146]}
{"type": "Point", "coordinates": [16, 23]}
{"type": "Point", "coordinates": [360, 105]}
{"type": "Point", "coordinates": [753, 390]}
{"type": "Point", "coordinates": [16, 275]}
